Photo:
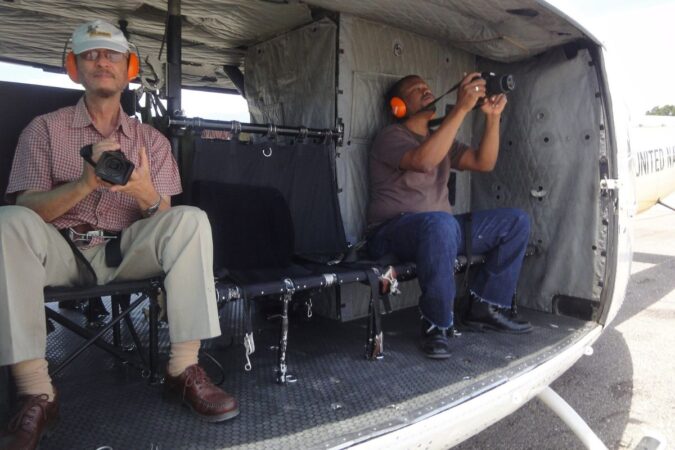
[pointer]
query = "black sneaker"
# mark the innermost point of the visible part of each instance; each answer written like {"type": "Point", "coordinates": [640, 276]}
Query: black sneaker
{"type": "Point", "coordinates": [435, 344]}
{"type": "Point", "coordinates": [485, 316]}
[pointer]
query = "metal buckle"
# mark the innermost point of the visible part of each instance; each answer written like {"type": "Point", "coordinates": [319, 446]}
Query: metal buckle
{"type": "Point", "coordinates": [389, 277]}
{"type": "Point", "coordinates": [88, 236]}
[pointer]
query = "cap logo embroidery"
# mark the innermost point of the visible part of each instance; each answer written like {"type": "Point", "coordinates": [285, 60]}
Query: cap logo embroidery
{"type": "Point", "coordinates": [92, 30]}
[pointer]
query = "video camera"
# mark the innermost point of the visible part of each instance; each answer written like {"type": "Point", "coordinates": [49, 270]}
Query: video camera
{"type": "Point", "coordinates": [496, 84]}
{"type": "Point", "coordinates": [112, 167]}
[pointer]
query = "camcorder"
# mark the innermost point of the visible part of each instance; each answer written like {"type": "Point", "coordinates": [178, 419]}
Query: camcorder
{"type": "Point", "coordinates": [496, 84]}
{"type": "Point", "coordinates": [112, 167]}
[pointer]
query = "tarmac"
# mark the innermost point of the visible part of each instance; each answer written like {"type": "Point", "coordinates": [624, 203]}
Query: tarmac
{"type": "Point", "coordinates": [625, 390]}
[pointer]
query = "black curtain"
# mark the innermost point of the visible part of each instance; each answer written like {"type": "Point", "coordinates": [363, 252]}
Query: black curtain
{"type": "Point", "coordinates": [303, 172]}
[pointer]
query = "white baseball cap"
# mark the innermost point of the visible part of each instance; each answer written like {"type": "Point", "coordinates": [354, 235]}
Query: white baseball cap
{"type": "Point", "coordinates": [98, 34]}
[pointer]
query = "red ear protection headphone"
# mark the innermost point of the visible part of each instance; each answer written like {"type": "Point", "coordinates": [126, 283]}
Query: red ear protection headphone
{"type": "Point", "coordinates": [70, 64]}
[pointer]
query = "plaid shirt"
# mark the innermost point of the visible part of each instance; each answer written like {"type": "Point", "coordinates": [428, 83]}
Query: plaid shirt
{"type": "Point", "coordinates": [48, 155]}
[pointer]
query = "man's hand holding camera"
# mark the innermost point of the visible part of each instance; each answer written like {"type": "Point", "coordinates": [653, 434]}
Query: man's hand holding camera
{"type": "Point", "coordinates": [139, 184]}
{"type": "Point", "coordinates": [494, 105]}
{"type": "Point", "coordinates": [89, 177]}
{"type": "Point", "coordinates": [473, 89]}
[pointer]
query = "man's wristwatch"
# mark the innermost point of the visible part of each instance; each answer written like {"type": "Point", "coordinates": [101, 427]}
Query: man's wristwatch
{"type": "Point", "coordinates": [152, 209]}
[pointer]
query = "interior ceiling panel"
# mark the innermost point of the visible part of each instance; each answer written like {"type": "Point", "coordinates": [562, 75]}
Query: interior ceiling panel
{"type": "Point", "coordinates": [217, 32]}
{"type": "Point", "coordinates": [501, 30]}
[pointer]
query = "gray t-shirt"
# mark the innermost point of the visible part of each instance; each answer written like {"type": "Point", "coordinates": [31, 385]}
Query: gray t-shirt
{"type": "Point", "coordinates": [393, 190]}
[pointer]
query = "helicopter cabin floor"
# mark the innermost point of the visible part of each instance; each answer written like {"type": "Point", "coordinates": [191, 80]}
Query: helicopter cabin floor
{"type": "Point", "coordinates": [339, 396]}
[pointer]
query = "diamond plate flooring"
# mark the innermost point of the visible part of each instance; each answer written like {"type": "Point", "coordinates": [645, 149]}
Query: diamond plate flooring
{"type": "Point", "coordinates": [339, 396]}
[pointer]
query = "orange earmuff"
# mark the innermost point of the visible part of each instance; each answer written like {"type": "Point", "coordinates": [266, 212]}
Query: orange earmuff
{"type": "Point", "coordinates": [398, 107]}
{"type": "Point", "coordinates": [134, 66]}
{"type": "Point", "coordinates": [70, 64]}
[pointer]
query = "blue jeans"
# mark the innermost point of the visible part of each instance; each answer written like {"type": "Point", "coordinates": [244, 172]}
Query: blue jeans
{"type": "Point", "coordinates": [433, 239]}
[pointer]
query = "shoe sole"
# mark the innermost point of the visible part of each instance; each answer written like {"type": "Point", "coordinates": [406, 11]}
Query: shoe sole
{"type": "Point", "coordinates": [48, 431]}
{"type": "Point", "coordinates": [175, 398]}
{"type": "Point", "coordinates": [213, 419]}
{"type": "Point", "coordinates": [438, 356]}
{"type": "Point", "coordinates": [483, 326]}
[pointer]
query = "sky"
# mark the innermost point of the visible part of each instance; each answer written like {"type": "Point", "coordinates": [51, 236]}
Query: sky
{"type": "Point", "coordinates": [638, 35]}
{"type": "Point", "coordinates": [206, 105]}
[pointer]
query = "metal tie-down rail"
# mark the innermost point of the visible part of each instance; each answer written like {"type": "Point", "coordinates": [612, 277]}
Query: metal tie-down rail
{"type": "Point", "coordinates": [235, 128]}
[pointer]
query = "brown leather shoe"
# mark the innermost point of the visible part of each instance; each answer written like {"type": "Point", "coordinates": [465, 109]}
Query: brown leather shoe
{"type": "Point", "coordinates": [194, 388]}
{"type": "Point", "coordinates": [36, 418]}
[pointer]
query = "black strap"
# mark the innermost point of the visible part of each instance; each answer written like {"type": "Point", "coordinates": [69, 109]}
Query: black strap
{"type": "Point", "coordinates": [113, 251]}
{"type": "Point", "coordinates": [86, 152]}
{"type": "Point", "coordinates": [373, 349]}
{"type": "Point", "coordinates": [248, 310]}
{"type": "Point", "coordinates": [386, 301]}
{"type": "Point", "coordinates": [79, 257]}
{"type": "Point", "coordinates": [248, 319]}
{"type": "Point", "coordinates": [374, 281]}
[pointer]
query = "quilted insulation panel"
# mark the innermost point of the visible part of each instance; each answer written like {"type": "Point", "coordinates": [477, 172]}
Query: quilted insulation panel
{"type": "Point", "coordinates": [371, 57]}
{"type": "Point", "coordinates": [552, 141]}
{"type": "Point", "coordinates": [290, 79]}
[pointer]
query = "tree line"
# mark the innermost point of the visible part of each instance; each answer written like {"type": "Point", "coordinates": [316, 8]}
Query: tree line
{"type": "Point", "coordinates": [666, 110]}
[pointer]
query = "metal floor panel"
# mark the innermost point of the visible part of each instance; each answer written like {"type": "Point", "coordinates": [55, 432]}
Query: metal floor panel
{"type": "Point", "coordinates": [337, 396]}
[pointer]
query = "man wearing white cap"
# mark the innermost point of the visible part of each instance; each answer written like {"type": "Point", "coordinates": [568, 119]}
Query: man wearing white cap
{"type": "Point", "coordinates": [56, 194]}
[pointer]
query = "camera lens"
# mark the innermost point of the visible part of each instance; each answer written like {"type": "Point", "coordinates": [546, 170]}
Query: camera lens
{"type": "Point", "coordinates": [113, 164]}
{"type": "Point", "coordinates": [508, 83]}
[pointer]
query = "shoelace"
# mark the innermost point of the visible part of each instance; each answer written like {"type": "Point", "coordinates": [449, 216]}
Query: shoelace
{"type": "Point", "coordinates": [24, 418]}
{"type": "Point", "coordinates": [194, 376]}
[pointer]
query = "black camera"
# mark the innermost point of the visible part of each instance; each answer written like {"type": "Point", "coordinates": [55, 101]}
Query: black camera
{"type": "Point", "coordinates": [112, 167]}
{"type": "Point", "coordinates": [496, 84]}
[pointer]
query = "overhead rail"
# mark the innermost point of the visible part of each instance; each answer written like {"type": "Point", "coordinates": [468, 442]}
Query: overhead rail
{"type": "Point", "coordinates": [235, 128]}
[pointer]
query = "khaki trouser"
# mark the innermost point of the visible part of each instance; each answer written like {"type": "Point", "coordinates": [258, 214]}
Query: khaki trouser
{"type": "Point", "coordinates": [33, 254]}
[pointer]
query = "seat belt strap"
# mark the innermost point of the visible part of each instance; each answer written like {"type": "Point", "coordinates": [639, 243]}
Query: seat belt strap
{"type": "Point", "coordinates": [113, 252]}
{"type": "Point", "coordinates": [374, 348]}
{"type": "Point", "coordinates": [81, 261]}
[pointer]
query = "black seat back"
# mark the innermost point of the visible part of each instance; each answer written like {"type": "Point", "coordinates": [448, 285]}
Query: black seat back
{"type": "Point", "coordinates": [304, 174]}
{"type": "Point", "coordinates": [20, 104]}
{"type": "Point", "coordinates": [251, 225]}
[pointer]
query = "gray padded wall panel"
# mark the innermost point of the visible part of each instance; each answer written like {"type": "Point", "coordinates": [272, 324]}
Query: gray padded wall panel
{"type": "Point", "coordinates": [548, 166]}
{"type": "Point", "coordinates": [368, 64]}
{"type": "Point", "coordinates": [481, 27]}
{"type": "Point", "coordinates": [290, 79]}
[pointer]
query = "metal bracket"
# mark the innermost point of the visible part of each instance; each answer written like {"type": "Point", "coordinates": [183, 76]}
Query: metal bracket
{"type": "Point", "coordinates": [310, 307]}
{"type": "Point", "coordinates": [271, 130]}
{"type": "Point", "coordinates": [388, 278]}
{"type": "Point", "coordinates": [236, 128]}
{"type": "Point", "coordinates": [158, 70]}
{"type": "Point", "coordinates": [340, 133]}
{"type": "Point", "coordinates": [249, 345]}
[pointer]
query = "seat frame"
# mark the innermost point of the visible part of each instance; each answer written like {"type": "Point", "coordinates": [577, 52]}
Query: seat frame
{"type": "Point", "coordinates": [122, 306]}
{"type": "Point", "coordinates": [325, 276]}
